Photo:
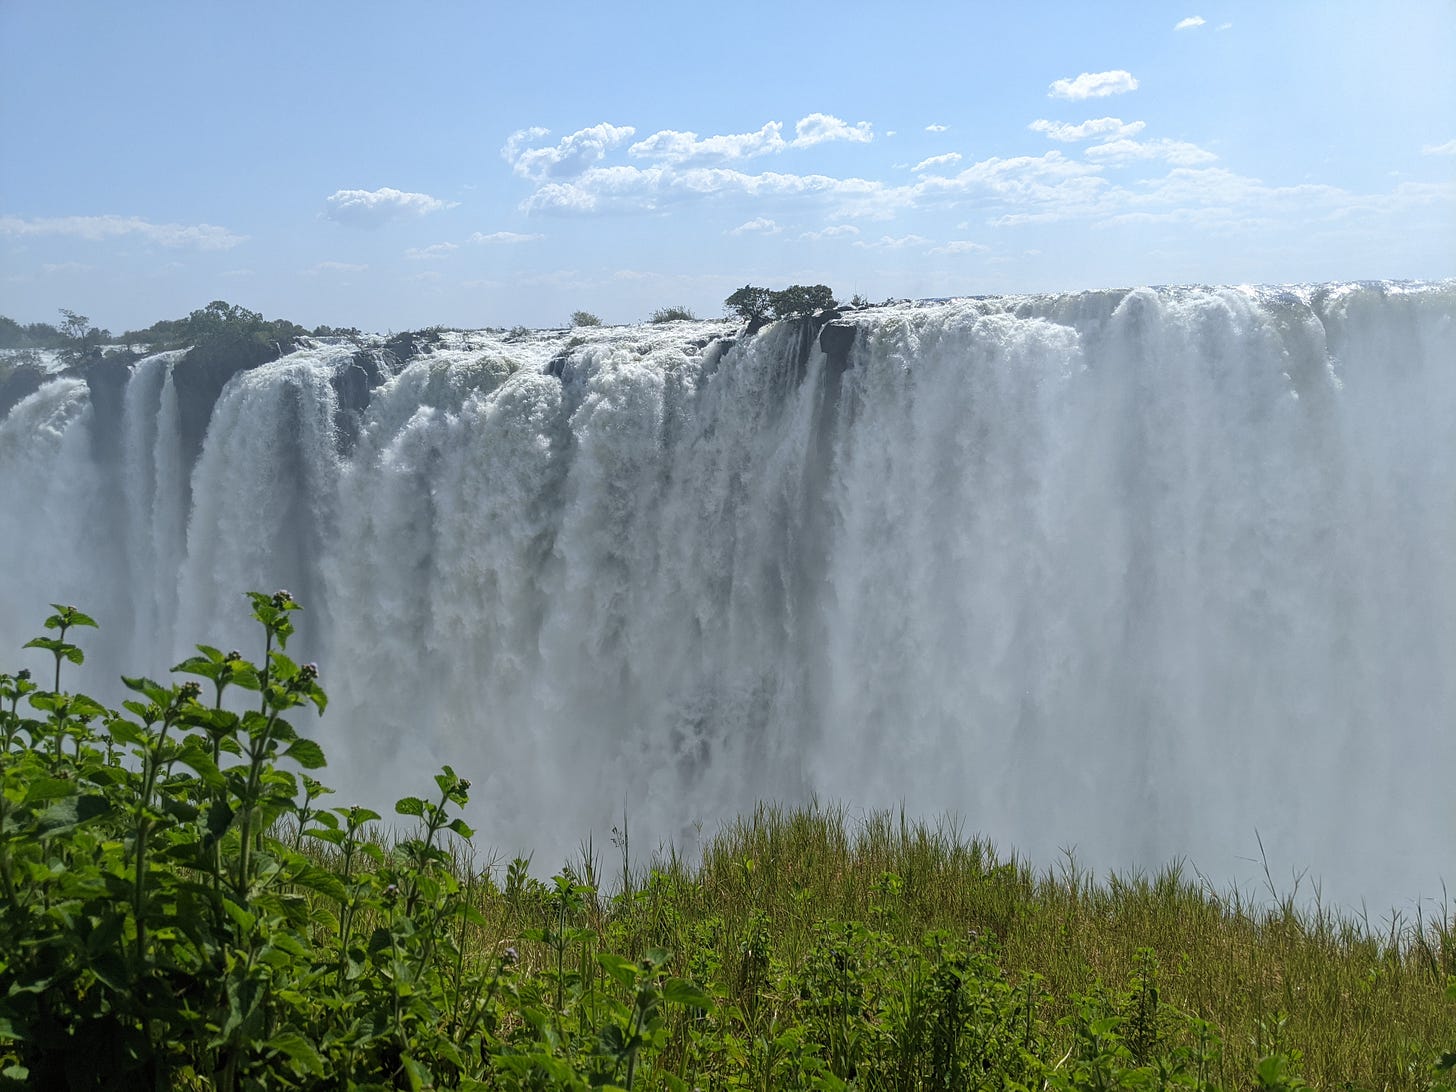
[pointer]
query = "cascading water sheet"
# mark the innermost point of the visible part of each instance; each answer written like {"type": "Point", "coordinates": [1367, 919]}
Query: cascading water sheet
{"type": "Point", "coordinates": [1142, 572]}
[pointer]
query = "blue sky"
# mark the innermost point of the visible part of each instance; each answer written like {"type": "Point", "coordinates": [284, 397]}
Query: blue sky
{"type": "Point", "coordinates": [395, 165]}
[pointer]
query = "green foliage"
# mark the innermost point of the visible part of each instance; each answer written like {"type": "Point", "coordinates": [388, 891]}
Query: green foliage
{"type": "Point", "coordinates": [755, 305]}
{"type": "Point", "coordinates": [584, 318]}
{"type": "Point", "coordinates": [750, 303]}
{"type": "Point", "coordinates": [179, 908]}
{"type": "Point", "coordinates": [673, 314]}
{"type": "Point", "coordinates": [801, 299]}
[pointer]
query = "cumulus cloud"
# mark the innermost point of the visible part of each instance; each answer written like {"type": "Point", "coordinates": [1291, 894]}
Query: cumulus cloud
{"type": "Point", "coordinates": [1179, 153]}
{"type": "Point", "coordinates": [760, 226]}
{"type": "Point", "coordinates": [1191, 22]}
{"type": "Point", "coordinates": [834, 231]}
{"type": "Point", "coordinates": [97, 228]}
{"type": "Point", "coordinates": [430, 253]}
{"type": "Point", "coordinates": [1106, 128]}
{"type": "Point", "coordinates": [570, 156]}
{"type": "Point", "coordinates": [504, 237]}
{"type": "Point", "coordinates": [893, 242]}
{"type": "Point", "coordinates": [949, 159]}
{"type": "Point", "coordinates": [674, 147]}
{"type": "Point", "coordinates": [1093, 85]}
{"type": "Point", "coordinates": [1449, 148]}
{"type": "Point", "coordinates": [958, 246]}
{"type": "Point", "coordinates": [615, 188]}
{"type": "Point", "coordinates": [936, 128]}
{"type": "Point", "coordinates": [368, 208]}
{"type": "Point", "coordinates": [819, 128]}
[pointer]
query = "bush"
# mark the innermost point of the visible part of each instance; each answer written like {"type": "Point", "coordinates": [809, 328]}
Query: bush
{"type": "Point", "coordinates": [754, 305]}
{"type": "Point", "coordinates": [673, 314]}
{"type": "Point", "coordinates": [800, 299]}
{"type": "Point", "coordinates": [179, 909]}
{"type": "Point", "coordinates": [749, 303]}
{"type": "Point", "coordinates": [584, 318]}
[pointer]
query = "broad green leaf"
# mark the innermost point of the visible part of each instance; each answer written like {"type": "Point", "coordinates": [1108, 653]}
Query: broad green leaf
{"type": "Point", "coordinates": [69, 813]}
{"type": "Point", "coordinates": [48, 788]}
{"type": "Point", "coordinates": [299, 1051]}
{"type": "Point", "coordinates": [462, 828]}
{"type": "Point", "coordinates": [679, 991]}
{"type": "Point", "coordinates": [153, 690]}
{"type": "Point", "coordinates": [306, 753]}
{"type": "Point", "coordinates": [624, 971]}
{"type": "Point", "coordinates": [410, 805]}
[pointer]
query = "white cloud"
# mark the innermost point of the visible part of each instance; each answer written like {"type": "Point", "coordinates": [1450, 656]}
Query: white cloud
{"type": "Point", "coordinates": [936, 128]}
{"type": "Point", "coordinates": [1190, 23]}
{"type": "Point", "coordinates": [1225, 26]}
{"type": "Point", "coordinates": [818, 128]}
{"type": "Point", "coordinates": [949, 159]}
{"type": "Point", "coordinates": [1093, 85]}
{"type": "Point", "coordinates": [1449, 148]}
{"type": "Point", "coordinates": [1179, 153]}
{"type": "Point", "coordinates": [760, 226]}
{"type": "Point", "coordinates": [570, 156]}
{"type": "Point", "coordinates": [97, 228]}
{"type": "Point", "coordinates": [893, 242]}
{"type": "Point", "coordinates": [674, 147]}
{"type": "Point", "coordinates": [54, 268]}
{"type": "Point", "coordinates": [958, 246]}
{"type": "Point", "coordinates": [607, 188]}
{"type": "Point", "coordinates": [834, 231]}
{"type": "Point", "coordinates": [1107, 128]}
{"type": "Point", "coordinates": [504, 237]}
{"type": "Point", "coordinates": [430, 253]}
{"type": "Point", "coordinates": [368, 208]}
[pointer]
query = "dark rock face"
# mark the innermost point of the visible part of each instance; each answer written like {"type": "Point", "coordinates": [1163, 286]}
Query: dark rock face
{"type": "Point", "coordinates": [836, 340]}
{"type": "Point", "coordinates": [354, 385]}
{"type": "Point", "coordinates": [199, 378]}
{"type": "Point", "coordinates": [106, 379]}
{"type": "Point", "coordinates": [17, 383]}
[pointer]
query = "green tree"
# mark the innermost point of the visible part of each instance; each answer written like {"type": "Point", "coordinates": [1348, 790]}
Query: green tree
{"type": "Point", "coordinates": [801, 299]}
{"type": "Point", "coordinates": [79, 339]}
{"type": "Point", "coordinates": [750, 303]}
{"type": "Point", "coordinates": [584, 318]}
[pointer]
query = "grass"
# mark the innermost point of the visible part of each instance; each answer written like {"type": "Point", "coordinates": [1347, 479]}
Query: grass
{"type": "Point", "coordinates": [178, 899]}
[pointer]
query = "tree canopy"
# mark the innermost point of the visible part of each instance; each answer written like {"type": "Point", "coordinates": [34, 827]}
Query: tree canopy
{"type": "Point", "coordinates": [754, 305]}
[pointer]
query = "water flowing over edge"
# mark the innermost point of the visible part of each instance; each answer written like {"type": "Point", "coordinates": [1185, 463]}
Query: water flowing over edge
{"type": "Point", "coordinates": [1143, 572]}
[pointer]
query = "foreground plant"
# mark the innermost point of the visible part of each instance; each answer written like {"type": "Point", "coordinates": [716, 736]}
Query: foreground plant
{"type": "Point", "coordinates": [178, 909]}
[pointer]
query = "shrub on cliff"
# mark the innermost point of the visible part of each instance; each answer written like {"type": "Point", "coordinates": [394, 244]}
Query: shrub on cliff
{"type": "Point", "coordinates": [673, 314]}
{"type": "Point", "coordinates": [801, 299]}
{"type": "Point", "coordinates": [756, 305]}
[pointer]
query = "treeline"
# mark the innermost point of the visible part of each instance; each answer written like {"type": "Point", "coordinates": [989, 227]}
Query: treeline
{"type": "Point", "coordinates": [218, 323]}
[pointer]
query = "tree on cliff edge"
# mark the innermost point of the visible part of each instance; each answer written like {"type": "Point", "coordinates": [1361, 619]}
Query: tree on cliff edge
{"type": "Point", "coordinates": [750, 304]}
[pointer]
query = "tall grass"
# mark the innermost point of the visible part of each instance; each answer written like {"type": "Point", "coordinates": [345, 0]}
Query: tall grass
{"type": "Point", "coordinates": [180, 909]}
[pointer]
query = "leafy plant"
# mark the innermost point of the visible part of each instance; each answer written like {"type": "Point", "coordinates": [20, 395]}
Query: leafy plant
{"type": "Point", "coordinates": [180, 908]}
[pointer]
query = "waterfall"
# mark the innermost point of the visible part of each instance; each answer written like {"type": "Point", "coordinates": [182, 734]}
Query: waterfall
{"type": "Point", "coordinates": [1143, 572]}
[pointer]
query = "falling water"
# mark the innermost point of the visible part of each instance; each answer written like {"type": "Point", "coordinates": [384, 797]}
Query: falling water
{"type": "Point", "coordinates": [1144, 572]}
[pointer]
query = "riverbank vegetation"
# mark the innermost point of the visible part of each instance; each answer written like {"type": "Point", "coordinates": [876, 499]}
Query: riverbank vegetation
{"type": "Point", "coordinates": [183, 906]}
